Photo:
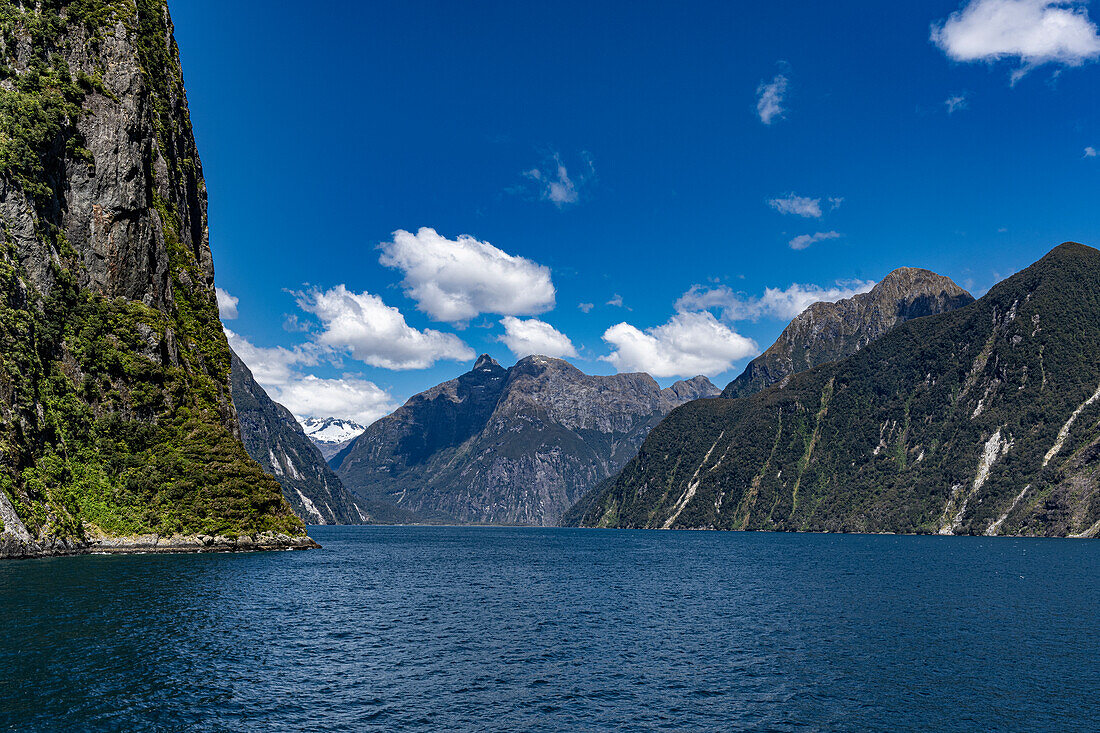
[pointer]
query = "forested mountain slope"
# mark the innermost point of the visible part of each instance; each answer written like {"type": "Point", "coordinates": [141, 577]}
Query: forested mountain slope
{"type": "Point", "coordinates": [983, 420]}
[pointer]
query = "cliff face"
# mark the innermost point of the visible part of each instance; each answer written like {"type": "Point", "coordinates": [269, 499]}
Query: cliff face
{"type": "Point", "coordinates": [114, 371]}
{"type": "Point", "coordinates": [982, 420]}
{"type": "Point", "coordinates": [825, 332]}
{"type": "Point", "coordinates": [508, 446]}
{"type": "Point", "coordinates": [277, 442]}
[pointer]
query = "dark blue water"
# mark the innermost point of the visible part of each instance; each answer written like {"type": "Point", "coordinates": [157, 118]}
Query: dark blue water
{"type": "Point", "coordinates": [393, 628]}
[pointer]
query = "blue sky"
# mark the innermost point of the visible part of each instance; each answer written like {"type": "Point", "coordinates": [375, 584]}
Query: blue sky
{"type": "Point", "coordinates": [537, 158]}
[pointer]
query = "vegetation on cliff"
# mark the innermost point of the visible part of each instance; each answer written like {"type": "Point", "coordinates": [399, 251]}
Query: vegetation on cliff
{"type": "Point", "coordinates": [114, 371]}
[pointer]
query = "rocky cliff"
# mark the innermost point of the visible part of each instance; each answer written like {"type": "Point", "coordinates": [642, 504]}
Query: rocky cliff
{"type": "Point", "coordinates": [982, 420]}
{"type": "Point", "coordinates": [828, 331]}
{"type": "Point", "coordinates": [115, 409]}
{"type": "Point", "coordinates": [508, 446]}
{"type": "Point", "coordinates": [277, 442]}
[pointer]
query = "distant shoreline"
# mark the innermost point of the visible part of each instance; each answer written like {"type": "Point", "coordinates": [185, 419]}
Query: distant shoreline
{"type": "Point", "coordinates": [153, 544]}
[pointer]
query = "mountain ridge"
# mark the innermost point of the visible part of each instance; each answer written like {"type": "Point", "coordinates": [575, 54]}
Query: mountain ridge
{"type": "Point", "coordinates": [981, 420]}
{"type": "Point", "coordinates": [510, 446]}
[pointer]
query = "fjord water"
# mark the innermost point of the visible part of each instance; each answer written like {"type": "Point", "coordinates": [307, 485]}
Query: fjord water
{"type": "Point", "coordinates": [407, 628]}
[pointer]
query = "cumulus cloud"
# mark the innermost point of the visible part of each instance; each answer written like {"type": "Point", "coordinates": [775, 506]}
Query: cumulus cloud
{"type": "Point", "coordinates": [227, 304]}
{"type": "Point", "coordinates": [689, 344]}
{"type": "Point", "coordinates": [454, 280]}
{"type": "Point", "coordinates": [349, 398]}
{"type": "Point", "coordinates": [377, 334]}
{"type": "Point", "coordinates": [1090, 152]}
{"type": "Point", "coordinates": [306, 395]}
{"type": "Point", "coordinates": [554, 183]}
{"type": "Point", "coordinates": [1032, 32]}
{"type": "Point", "coordinates": [955, 102]}
{"type": "Point", "coordinates": [525, 337]}
{"type": "Point", "coordinates": [779, 303]}
{"type": "Point", "coordinates": [271, 365]}
{"type": "Point", "coordinates": [769, 99]}
{"type": "Point", "coordinates": [802, 241]}
{"type": "Point", "coordinates": [799, 205]}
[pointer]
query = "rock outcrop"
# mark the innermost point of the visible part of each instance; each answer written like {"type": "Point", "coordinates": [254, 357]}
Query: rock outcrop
{"type": "Point", "coordinates": [508, 446]}
{"type": "Point", "coordinates": [115, 411]}
{"type": "Point", "coordinates": [826, 332]}
{"type": "Point", "coordinates": [277, 442]}
{"type": "Point", "coordinates": [981, 420]}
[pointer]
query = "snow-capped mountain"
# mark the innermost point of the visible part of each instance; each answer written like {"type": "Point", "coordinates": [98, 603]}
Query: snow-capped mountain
{"type": "Point", "coordinates": [331, 434]}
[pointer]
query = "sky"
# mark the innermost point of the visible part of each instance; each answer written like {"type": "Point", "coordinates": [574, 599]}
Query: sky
{"type": "Point", "coordinates": [395, 188]}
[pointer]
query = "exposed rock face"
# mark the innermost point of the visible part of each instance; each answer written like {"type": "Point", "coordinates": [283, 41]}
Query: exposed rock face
{"type": "Point", "coordinates": [115, 409]}
{"type": "Point", "coordinates": [825, 332]}
{"type": "Point", "coordinates": [982, 420]}
{"type": "Point", "coordinates": [508, 446]}
{"type": "Point", "coordinates": [331, 435]}
{"type": "Point", "coordinates": [277, 442]}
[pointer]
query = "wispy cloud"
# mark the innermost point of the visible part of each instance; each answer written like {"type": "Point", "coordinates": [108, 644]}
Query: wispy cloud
{"type": "Point", "coordinates": [955, 103]}
{"type": "Point", "coordinates": [586, 307]}
{"type": "Point", "coordinates": [554, 183]}
{"type": "Point", "coordinates": [803, 241]}
{"type": "Point", "coordinates": [1032, 32]}
{"type": "Point", "coordinates": [770, 97]}
{"type": "Point", "coordinates": [780, 303]}
{"type": "Point", "coordinates": [798, 205]}
{"type": "Point", "coordinates": [1090, 152]}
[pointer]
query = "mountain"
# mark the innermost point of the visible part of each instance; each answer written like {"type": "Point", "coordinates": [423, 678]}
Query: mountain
{"type": "Point", "coordinates": [276, 441]}
{"type": "Point", "coordinates": [330, 434]}
{"type": "Point", "coordinates": [508, 446]}
{"type": "Point", "coordinates": [828, 331]}
{"type": "Point", "coordinates": [117, 430]}
{"type": "Point", "coordinates": [982, 420]}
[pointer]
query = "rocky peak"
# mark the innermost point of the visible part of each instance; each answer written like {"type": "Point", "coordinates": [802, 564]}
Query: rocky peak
{"type": "Point", "coordinates": [687, 390]}
{"type": "Point", "coordinates": [486, 363]}
{"type": "Point", "coordinates": [828, 331]}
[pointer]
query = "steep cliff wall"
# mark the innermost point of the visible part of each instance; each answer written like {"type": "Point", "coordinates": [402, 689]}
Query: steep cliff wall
{"type": "Point", "coordinates": [115, 409]}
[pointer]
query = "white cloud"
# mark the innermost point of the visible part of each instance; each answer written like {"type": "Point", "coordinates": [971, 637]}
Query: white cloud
{"type": "Point", "coordinates": [525, 337]}
{"type": "Point", "coordinates": [955, 102]}
{"type": "Point", "coordinates": [454, 280]}
{"type": "Point", "coordinates": [307, 395]}
{"type": "Point", "coordinates": [1034, 32]}
{"type": "Point", "coordinates": [769, 99]}
{"type": "Point", "coordinates": [783, 304]}
{"type": "Point", "coordinates": [349, 398]}
{"type": "Point", "coordinates": [376, 333]}
{"type": "Point", "coordinates": [689, 344]}
{"type": "Point", "coordinates": [586, 307]}
{"type": "Point", "coordinates": [1090, 152]}
{"type": "Point", "coordinates": [555, 185]}
{"type": "Point", "coordinates": [227, 304]}
{"type": "Point", "coordinates": [271, 365]}
{"type": "Point", "coordinates": [616, 300]}
{"type": "Point", "coordinates": [802, 241]}
{"type": "Point", "coordinates": [799, 205]}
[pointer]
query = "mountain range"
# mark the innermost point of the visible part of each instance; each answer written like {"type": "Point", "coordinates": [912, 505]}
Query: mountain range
{"type": "Point", "coordinates": [330, 434]}
{"type": "Point", "coordinates": [981, 420]}
{"type": "Point", "coordinates": [508, 446]}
